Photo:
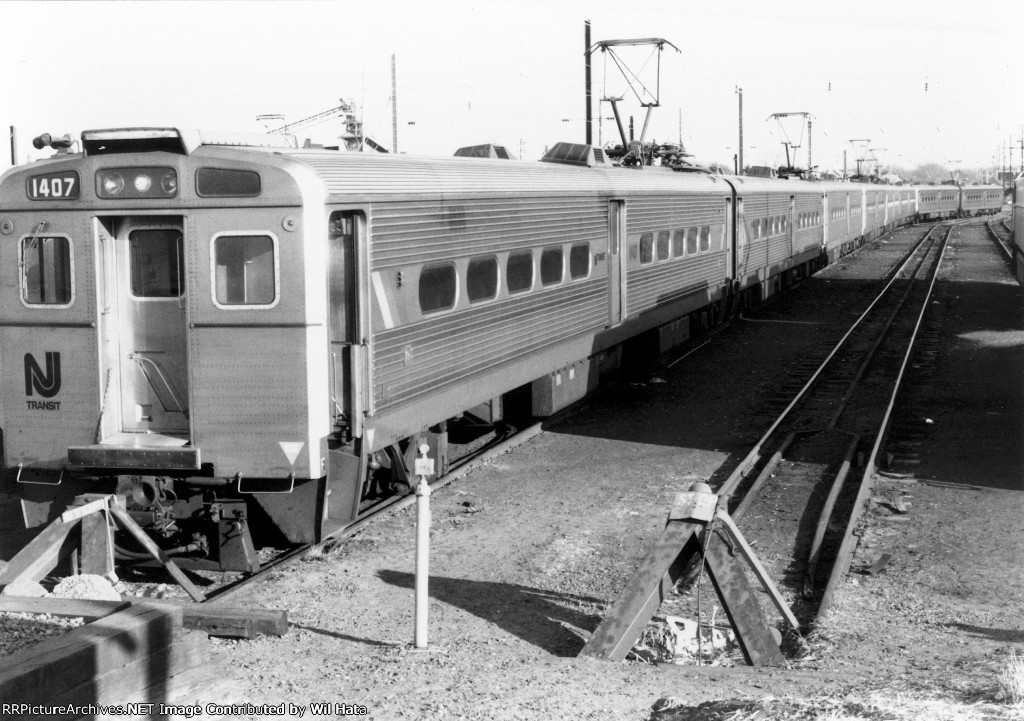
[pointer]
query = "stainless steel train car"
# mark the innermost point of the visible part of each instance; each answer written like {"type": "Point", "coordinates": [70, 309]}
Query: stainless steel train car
{"type": "Point", "coordinates": [249, 340]}
{"type": "Point", "coordinates": [980, 199]}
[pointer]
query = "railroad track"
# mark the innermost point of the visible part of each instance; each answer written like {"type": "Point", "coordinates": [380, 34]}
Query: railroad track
{"type": "Point", "coordinates": [1003, 236]}
{"type": "Point", "coordinates": [833, 428]}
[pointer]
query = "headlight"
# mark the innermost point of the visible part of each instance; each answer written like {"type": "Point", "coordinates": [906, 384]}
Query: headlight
{"type": "Point", "coordinates": [112, 183]}
{"type": "Point", "coordinates": [146, 183]}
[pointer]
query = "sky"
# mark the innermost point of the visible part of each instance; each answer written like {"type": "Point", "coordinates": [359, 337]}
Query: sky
{"type": "Point", "coordinates": [912, 81]}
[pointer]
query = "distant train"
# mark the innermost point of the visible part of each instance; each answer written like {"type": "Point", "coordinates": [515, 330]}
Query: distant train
{"type": "Point", "coordinates": [249, 340]}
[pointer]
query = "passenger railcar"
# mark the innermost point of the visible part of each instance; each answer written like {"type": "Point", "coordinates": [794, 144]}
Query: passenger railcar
{"type": "Point", "coordinates": [980, 199]}
{"type": "Point", "coordinates": [937, 201]}
{"type": "Point", "coordinates": [249, 341]}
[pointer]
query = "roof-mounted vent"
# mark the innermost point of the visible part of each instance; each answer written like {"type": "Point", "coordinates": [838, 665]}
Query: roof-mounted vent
{"type": "Point", "coordinates": [484, 151]}
{"type": "Point", "coordinates": [576, 154]}
{"type": "Point", "coordinates": [172, 140]}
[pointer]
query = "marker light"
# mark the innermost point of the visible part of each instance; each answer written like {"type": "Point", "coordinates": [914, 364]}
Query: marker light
{"type": "Point", "coordinates": [143, 183]}
{"type": "Point", "coordinates": [169, 182]}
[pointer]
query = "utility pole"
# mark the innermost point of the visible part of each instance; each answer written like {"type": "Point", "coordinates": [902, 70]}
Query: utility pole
{"type": "Point", "coordinates": [739, 91]}
{"type": "Point", "coordinates": [394, 108]}
{"type": "Point", "coordinates": [14, 146]}
{"type": "Point", "coordinates": [587, 91]}
{"type": "Point", "coordinates": [810, 165]}
{"type": "Point", "coordinates": [1022, 150]}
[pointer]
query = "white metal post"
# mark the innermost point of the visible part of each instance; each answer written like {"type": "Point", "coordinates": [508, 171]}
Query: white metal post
{"type": "Point", "coordinates": [424, 468]}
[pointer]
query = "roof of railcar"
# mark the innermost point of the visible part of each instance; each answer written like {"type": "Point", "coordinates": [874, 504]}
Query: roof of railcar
{"type": "Point", "coordinates": [377, 173]}
{"type": "Point", "coordinates": [753, 184]}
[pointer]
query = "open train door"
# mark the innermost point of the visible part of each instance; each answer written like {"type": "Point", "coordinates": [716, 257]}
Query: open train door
{"type": "Point", "coordinates": [349, 365]}
{"type": "Point", "coordinates": [616, 262]}
{"type": "Point", "coordinates": [145, 322]}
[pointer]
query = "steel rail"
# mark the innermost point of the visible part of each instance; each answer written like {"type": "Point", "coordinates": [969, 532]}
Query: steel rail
{"type": "Point", "coordinates": [753, 456]}
{"type": "Point", "coordinates": [845, 554]}
{"type": "Point", "coordinates": [999, 241]}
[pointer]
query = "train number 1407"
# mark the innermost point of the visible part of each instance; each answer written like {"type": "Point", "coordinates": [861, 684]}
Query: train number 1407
{"type": "Point", "coordinates": [53, 186]}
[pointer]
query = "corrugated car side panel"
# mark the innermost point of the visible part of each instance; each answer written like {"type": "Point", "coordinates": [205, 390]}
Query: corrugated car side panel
{"type": "Point", "coordinates": [755, 252]}
{"type": "Point", "coordinates": [809, 237]}
{"type": "Point", "coordinates": [425, 231]}
{"type": "Point", "coordinates": [838, 222]}
{"type": "Point", "coordinates": [432, 355]}
{"type": "Point", "coordinates": [673, 279]}
{"type": "Point", "coordinates": [661, 281]}
{"type": "Point", "coordinates": [420, 354]}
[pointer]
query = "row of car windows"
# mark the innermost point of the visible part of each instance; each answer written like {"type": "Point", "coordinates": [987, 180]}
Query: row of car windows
{"type": "Point", "coordinates": [810, 219]}
{"type": "Point", "coordinates": [766, 227]}
{"type": "Point", "coordinates": [677, 243]}
{"type": "Point", "coordinates": [244, 268]}
{"type": "Point", "coordinates": [439, 283]}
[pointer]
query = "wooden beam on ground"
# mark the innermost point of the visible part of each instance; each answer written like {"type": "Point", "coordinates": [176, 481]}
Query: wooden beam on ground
{"type": "Point", "coordinates": [42, 672]}
{"type": "Point", "coordinates": [231, 622]}
{"type": "Point", "coordinates": [40, 556]}
{"type": "Point", "coordinates": [143, 679]}
{"type": "Point", "coordinates": [97, 554]}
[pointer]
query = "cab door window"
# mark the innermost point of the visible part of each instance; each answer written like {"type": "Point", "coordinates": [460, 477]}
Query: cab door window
{"type": "Point", "coordinates": [46, 277]}
{"type": "Point", "coordinates": [157, 263]}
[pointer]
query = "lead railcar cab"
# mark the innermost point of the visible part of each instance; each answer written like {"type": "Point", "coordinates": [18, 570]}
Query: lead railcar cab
{"type": "Point", "coordinates": [204, 326]}
{"type": "Point", "coordinates": [161, 333]}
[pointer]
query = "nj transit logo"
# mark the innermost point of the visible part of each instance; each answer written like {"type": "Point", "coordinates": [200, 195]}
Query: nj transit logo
{"type": "Point", "coordinates": [45, 384]}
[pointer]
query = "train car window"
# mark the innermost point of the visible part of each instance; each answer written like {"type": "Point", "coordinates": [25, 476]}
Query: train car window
{"type": "Point", "coordinates": [227, 183]}
{"type": "Point", "coordinates": [46, 270]}
{"type": "Point", "coordinates": [245, 270]}
{"type": "Point", "coordinates": [482, 279]}
{"type": "Point", "coordinates": [519, 272]}
{"type": "Point", "coordinates": [663, 245]}
{"type": "Point", "coordinates": [551, 269]}
{"type": "Point", "coordinates": [705, 238]}
{"type": "Point", "coordinates": [438, 285]}
{"type": "Point", "coordinates": [678, 242]}
{"type": "Point", "coordinates": [156, 256]}
{"type": "Point", "coordinates": [691, 239]}
{"type": "Point", "coordinates": [646, 248]}
{"type": "Point", "coordinates": [579, 260]}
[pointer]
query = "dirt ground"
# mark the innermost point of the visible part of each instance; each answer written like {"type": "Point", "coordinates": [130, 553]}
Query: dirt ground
{"type": "Point", "coordinates": [529, 550]}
